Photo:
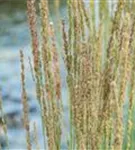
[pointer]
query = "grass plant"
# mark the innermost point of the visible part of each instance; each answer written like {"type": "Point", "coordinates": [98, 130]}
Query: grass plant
{"type": "Point", "coordinates": [99, 66]}
{"type": "Point", "coordinates": [99, 58]}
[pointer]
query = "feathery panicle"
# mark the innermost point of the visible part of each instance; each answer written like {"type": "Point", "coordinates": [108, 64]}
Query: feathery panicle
{"type": "Point", "coordinates": [132, 86]}
{"type": "Point", "coordinates": [55, 65]}
{"type": "Point", "coordinates": [25, 102]}
{"type": "Point", "coordinates": [33, 29]}
{"type": "Point", "coordinates": [35, 43]}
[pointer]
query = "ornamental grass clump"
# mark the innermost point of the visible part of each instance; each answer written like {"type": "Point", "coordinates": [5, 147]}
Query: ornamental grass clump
{"type": "Point", "coordinates": [99, 58]}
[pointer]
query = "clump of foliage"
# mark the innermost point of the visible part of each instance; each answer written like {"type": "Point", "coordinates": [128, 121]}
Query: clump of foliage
{"type": "Point", "coordinates": [100, 64]}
